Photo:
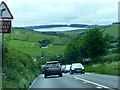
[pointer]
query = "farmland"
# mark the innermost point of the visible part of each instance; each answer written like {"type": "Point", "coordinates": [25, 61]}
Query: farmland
{"type": "Point", "coordinates": [27, 41]}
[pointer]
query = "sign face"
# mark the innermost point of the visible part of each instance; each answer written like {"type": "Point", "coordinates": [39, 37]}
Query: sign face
{"type": "Point", "coordinates": [5, 26]}
{"type": "Point", "coordinates": [5, 12]}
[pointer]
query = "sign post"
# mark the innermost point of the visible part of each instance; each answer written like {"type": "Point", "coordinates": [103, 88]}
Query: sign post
{"type": "Point", "coordinates": [2, 50]}
{"type": "Point", "coordinates": [5, 24]}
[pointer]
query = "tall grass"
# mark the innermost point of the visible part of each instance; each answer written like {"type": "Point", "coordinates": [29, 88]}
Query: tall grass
{"type": "Point", "coordinates": [0, 62]}
{"type": "Point", "coordinates": [19, 69]}
{"type": "Point", "coordinates": [105, 68]}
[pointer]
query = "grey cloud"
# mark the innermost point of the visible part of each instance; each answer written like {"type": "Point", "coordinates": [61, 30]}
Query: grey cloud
{"type": "Point", "coordinates": [64, 12]}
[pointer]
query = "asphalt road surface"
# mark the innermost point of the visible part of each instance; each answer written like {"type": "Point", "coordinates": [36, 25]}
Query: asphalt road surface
{"type": "Point", "coordinates": [87, 80]}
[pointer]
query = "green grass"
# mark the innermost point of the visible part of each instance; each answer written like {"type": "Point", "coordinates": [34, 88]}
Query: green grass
{"type": "Point", "coordinates": [26, 41]}
{"type": "Point", "coordinates": [105, 68]}
{"type": "Point", "coordinates": [112, 30]}
{"type": "Point", "coordinates": [0, 62]}
{"type": "Point", "coordinates": [18, 43]}
{"type": "Point", "coordinates": [74, 32]}
{"type": "Point", "coordinates": [19, 67]}
{"type": "Point", "coordinates": [30, 44]}
{"type": "Point", "coordinates": [33, 36]}
{"type": "Point", "coordinates": [36, 51]}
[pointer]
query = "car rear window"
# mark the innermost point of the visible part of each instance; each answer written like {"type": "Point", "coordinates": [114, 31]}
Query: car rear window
{"type": "Point", "coordinates": [52, 64]}
{"type": "Point", "coordinates": [77, 65]}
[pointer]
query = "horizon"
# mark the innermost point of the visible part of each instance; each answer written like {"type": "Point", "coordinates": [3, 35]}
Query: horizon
{"type": "Point", "coordinates": [65, 24]}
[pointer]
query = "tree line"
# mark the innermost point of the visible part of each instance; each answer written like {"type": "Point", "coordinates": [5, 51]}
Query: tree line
{"type": "Point", "coordinates": [93, 44]}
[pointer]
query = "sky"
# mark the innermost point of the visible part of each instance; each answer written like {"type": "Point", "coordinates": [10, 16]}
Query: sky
{"type": "Point", "coordinates": [40, 12]}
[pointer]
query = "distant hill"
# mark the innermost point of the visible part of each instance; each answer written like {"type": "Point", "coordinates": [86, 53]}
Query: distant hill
{"type": "Point", "coordinates": [65, 25]}
{"type": "Point", "coordinates": [45, 26]}
{"type": "Point", "coordinates": [116, 23]}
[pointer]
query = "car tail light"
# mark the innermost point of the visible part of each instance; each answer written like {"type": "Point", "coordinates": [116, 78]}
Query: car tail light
{"type": "Point", "coordinates": [47, 67]}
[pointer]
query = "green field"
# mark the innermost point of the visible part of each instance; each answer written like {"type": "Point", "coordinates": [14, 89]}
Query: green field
{"type": "Point", "coordinates": [112, 30]}
{"type": "Point", "coordinates": [74, 32]}
{"type": "Point", "coordinates": [26, 41]}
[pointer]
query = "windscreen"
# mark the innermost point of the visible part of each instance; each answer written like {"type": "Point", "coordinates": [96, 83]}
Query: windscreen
{"type": "Point", "coordinates": [53, 64]}
{"type": "Point", "coordinates": [68, 66]}
{"type": "Point", "coordinates": [78, 65]}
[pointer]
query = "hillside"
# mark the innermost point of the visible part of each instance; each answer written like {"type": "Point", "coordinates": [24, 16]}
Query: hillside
{"type": "Point", "coordinates": [112, 30]}
{"type": "Point", "coordinates": [65, 25]}
{"type": "Point", "coordinates": [27, 41]}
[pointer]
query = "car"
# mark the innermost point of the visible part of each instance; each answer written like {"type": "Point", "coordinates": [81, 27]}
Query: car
{"type": "Point", "coordinates": [52, 68]}
{"type": "Point", "coordinates": [63, 68]}
{"type": "Point", "coordinates": [67, 68]}
{"type": "Point", "coordinates": [42, 67]}
{"type": "Point", "coordinates": [77, 68]}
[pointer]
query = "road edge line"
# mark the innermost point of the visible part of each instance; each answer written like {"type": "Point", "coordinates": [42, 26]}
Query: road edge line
{"type": "Point", "coordinates": [33, 82]}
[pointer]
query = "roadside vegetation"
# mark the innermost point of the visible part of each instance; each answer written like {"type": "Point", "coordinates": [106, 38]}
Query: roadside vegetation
{"type": "Point", "coordinates": [100, 46]}
{"type": "Point", "coordinates": [109, 68]}
{"type": "Point", "coordinates": [0, 61]}
{"type": "Point", "coordinates": [19, 69]}
{"type": "Point", "coordinates": [27, 50]}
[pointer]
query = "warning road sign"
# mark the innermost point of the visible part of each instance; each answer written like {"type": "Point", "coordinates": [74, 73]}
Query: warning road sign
{"type": "Point", "coordinates": [5, 12]}
{"type": "Point", "coordinates": [5, 26]}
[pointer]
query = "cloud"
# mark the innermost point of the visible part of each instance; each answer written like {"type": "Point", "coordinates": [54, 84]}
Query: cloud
{"type": "Point", "coordinates": [35, 12]}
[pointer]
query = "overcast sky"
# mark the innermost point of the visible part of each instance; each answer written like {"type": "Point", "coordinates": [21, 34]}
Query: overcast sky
{"type": "Point", "coordinates": [37, 12]}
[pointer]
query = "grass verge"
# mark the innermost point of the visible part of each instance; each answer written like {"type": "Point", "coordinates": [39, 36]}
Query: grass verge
{"type": "Point", "coordinates": [105, 68]}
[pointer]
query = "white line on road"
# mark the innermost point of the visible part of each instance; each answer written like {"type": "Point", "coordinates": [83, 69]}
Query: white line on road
{"type": "Point", "coordinates": [32, 83]}
{"type": "Point", "coordinates": [99, 87]}
{"type": "Point", "coordinates": [91, 82]}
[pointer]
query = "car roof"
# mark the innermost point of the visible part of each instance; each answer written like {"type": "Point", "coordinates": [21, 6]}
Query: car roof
{"type": "Point", "coordinates": [52, 62]}
{"type": "Point", "coordinates": [68, 65]}
{"type": "Point", "coordinates": [76, 63]}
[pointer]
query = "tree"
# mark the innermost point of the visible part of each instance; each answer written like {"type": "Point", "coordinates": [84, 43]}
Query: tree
{"type": "Point", "coordinates": [96, 43]}
{"type": "Point", "coordinates": [57, 58]}
{"type": "Point", "coordinates": [92, 44]}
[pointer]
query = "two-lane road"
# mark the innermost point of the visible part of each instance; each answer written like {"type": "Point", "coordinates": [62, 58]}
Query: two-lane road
{"type": "Point", "coordinates": [87, 80]}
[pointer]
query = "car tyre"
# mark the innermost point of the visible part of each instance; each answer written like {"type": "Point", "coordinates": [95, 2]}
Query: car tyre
{"type": "Point", "coordinates": [60, 75]}
{"type": "Point", "coordinates": [45, 75]}
{"type": "Point", "coordinates": [71, 72]}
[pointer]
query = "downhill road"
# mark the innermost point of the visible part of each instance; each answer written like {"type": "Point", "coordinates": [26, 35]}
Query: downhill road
{"type": "Point", "coordinates": [87, 80]}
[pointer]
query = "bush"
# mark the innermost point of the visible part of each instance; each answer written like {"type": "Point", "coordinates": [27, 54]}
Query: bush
{"type": "Point", "coordinates": [107, 58]}
{"type": "Point", "coordinates": [19, 67]}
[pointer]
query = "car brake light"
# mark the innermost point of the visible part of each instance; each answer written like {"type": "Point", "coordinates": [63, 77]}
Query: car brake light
{"type": "Point", "coordinates": [47, 67]}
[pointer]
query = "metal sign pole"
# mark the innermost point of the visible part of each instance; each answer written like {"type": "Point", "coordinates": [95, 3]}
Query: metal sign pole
{"type": "Point", "coordinates": [2, 50]}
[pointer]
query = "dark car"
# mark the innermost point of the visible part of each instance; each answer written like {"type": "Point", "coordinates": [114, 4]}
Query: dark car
{"type": "Point", "coordinates": [77, 68]}
{"type": "Point", "coordinates": [52, 68]}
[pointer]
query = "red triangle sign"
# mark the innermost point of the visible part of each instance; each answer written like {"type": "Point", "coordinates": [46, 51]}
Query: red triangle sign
{"type": "Point", "coordinates": [5, 12]}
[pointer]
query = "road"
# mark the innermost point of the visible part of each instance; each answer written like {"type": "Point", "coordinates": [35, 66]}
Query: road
{"type": "Point", "coordinates": [87, 80]}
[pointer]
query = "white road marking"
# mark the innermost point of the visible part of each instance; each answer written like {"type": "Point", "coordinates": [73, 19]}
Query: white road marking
{"type": "Point", "coordinates": [84, 82]}
{"type": "Point", "coordinates": [32, 83]}
{"type": "Point", "coordinates": [91, 82]}
{"type": "Point", "coordinates": [99, 87]}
